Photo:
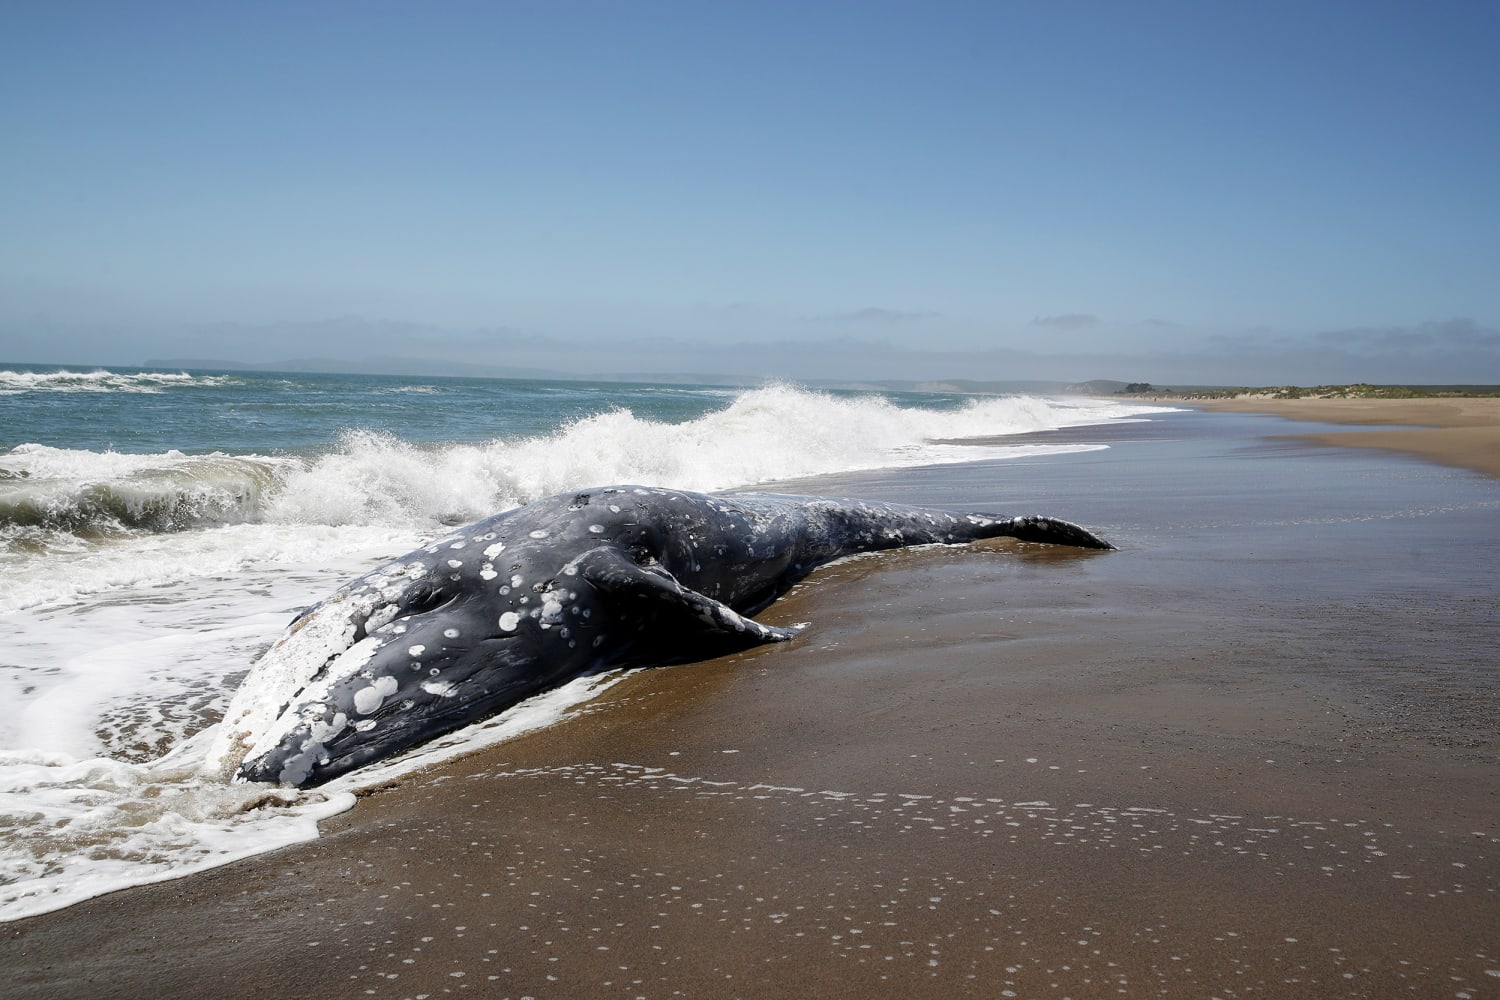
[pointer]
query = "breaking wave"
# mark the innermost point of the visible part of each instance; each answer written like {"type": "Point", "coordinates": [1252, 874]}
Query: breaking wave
{"type": "Point", "coordinates": [373, 477]}
{"type": "Point", "coordinates": [104, 508]}
{"type": "Point", "coordinates": [99, 380]}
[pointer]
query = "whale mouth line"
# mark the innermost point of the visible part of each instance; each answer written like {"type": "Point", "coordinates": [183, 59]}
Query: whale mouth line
{"type": "Point", "coordinates": [317, 761]}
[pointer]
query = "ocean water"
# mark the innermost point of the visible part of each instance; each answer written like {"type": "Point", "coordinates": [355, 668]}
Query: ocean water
{"type": "Point", "coordinates": [158, 529]}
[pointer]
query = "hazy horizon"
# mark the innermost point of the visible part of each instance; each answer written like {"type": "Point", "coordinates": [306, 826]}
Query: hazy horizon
{"type": "Point", "coordinates": [1164, 192]}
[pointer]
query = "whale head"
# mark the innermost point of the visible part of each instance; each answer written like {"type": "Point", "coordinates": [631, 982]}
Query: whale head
{"type": "Point", "coordinates": [420, 647]}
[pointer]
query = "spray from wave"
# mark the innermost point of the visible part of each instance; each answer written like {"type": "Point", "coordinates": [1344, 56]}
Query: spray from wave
{"type": "Point", "coordinates": [779, 432]}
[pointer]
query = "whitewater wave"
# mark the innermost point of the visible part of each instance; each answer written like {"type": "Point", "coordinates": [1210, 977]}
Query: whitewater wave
{"type": "Point", "coordinates": [371, 477]}
{"type": "Point", "coordinates": [96, 494]}
{"type": "Point", "coordinates": [74, 522]}
{"type": "Point", "coordinates": [99, 380]}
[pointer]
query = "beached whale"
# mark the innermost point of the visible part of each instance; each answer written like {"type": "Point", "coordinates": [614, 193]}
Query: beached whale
{"type": "Point", "coordinates": [527, 600]}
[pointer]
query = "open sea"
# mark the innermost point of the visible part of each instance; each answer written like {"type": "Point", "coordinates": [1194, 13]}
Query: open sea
{"type": "Point", "coordinates": [158, 529]}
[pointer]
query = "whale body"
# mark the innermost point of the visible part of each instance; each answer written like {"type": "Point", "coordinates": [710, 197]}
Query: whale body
{"type": "Point", "coordinates": [529, 599]}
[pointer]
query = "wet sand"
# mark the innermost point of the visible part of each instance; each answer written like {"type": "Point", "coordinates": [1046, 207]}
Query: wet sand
{"type": "Point", "coordinates": [1254, 752]}
{"type": "Point", "coordinates": [1464, 432]}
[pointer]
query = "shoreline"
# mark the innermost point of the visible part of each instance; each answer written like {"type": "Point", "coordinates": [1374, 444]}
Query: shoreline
{"type": "Point", "coordinates": [1458, 431]}
{"type": "Point", "coordinates": [1249, 752]}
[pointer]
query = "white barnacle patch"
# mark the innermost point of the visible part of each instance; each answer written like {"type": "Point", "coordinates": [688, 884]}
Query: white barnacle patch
{"type": "Point", "coordinates": [509, 621]}
{"type": "Point", "coordinates": [441, 689]}
{"type": "Point", "coordinates": [494, 550]}
{"type": "Point", "coordinates": [458, 544]}
{"type": "Point", "coordinates": [384, 616]}
{"type": "Point", "coordinates": [539, 533]}
{"type": "Point", "coordinates": [368, 699]}
{"type": "Point", "coordinates": [614, 508]}
{"type": "Point", "coordinates": [322, 732]}
{"type": "Point", "coordinates": [455, 563]}
{"type": "Point", "coordinates": [516, 581]}
{"type": "Point", "coordinates": [450, 633]}
{"type": "Point", "coordinates": [487, 572]}
{"type": "Point", "coordinates": [415, 651]}
{"type": "Point", "coordinates": [597, 529]}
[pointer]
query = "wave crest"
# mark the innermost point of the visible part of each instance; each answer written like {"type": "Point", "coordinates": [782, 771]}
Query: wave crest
{"type": "Point", "coordinates": [94, 494]}
{"type": "Point", "coordinates": [777, 432]}
{"type": "Point", "coordinates": [378, 478]}
{"type": "Point", "coordinates": [101, 380]}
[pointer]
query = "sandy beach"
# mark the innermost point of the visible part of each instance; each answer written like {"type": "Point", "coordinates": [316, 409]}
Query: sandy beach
{"type": "Point", "coordinates": [1459, 431]}
{"type": "Point", "coordinates": [1254, 752]}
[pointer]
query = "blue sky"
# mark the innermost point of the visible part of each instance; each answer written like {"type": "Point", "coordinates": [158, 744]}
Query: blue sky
{"type": "Point", "coordinates": [1210, 192]}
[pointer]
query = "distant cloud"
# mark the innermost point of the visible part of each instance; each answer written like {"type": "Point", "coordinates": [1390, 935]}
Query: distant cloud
{"type": "Point", "coordinates": [876, 314]}
{"type": "Point", "coordinates": [1066, 321]}
{"type": "Point", "coordinates": [871, 343]}
{"type": "Point", "coordinates": [1460, 334]}
{"type": "Point", "coordinates": [1439, 352]}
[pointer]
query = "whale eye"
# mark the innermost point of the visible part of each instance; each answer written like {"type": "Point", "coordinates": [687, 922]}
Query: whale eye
{"type": "Point", "coordinates": [424, 597]}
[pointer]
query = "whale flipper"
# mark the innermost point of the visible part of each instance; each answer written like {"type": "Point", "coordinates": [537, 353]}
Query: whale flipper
{"type": "Point", "coordinates": [612, 572]}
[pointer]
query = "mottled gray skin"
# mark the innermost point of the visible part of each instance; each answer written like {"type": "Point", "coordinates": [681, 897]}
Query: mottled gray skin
{"type": "Point", "coordinates": [583, 582]}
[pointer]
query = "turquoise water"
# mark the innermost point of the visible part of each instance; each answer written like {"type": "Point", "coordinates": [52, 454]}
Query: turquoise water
{"type": "Point", "coordinates": [142, 410]}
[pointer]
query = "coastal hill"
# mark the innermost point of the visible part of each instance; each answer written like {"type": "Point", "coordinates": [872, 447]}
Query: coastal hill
{"type": "Point", "coordinates": [1356, 390]}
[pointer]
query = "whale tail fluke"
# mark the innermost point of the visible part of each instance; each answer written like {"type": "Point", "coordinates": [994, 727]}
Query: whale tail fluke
{"type": "Point", "coordinates": [1035, 528]}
